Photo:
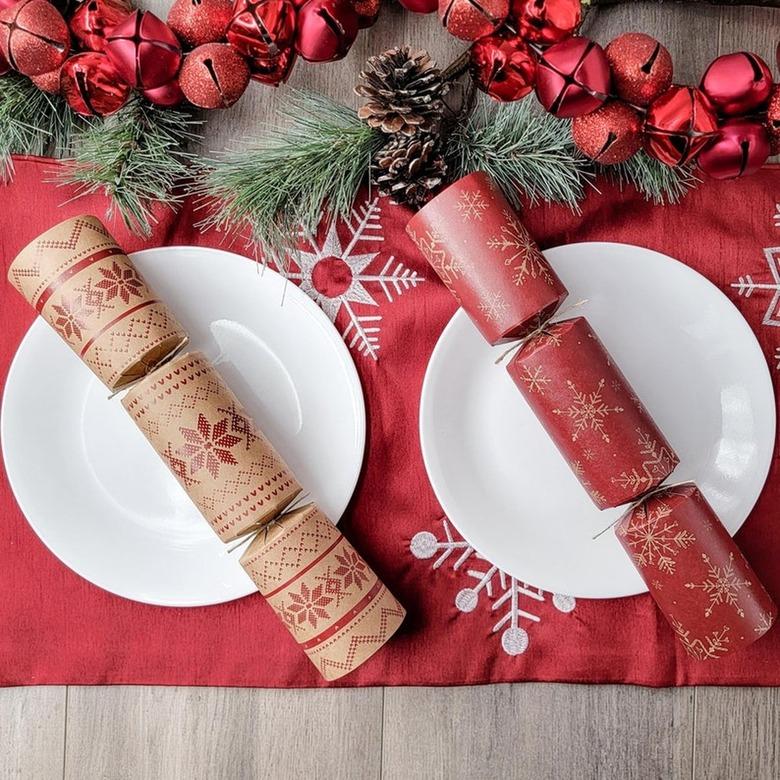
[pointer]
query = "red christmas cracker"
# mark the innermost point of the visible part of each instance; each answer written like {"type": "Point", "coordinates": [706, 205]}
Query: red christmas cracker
{"type": "Point", "coordinates": [591, 413]}
{"type": "Point", "coordinates": [199, 428]}
{"type": "Point", "coordinates": [79, 280]}
{"type": "Point", "coordinates": [474, 240]}
{"type": "Point", "coordinates": [695, 572]}
{"type": "Point", "coordinates": [322, 590]}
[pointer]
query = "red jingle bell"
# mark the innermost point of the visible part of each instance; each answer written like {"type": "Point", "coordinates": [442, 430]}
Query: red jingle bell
{"type": "Point", "coordinates": [773, 120]}
{"type": "Point", "coordinates": [469, 20]}
{"type": "Point", "coordinates": [214, 76]}
{"type": "Point", "coordinates": [503, 67]}
{"type": "Point", "coordinates": [546, 21]}
{"type": "Point", "coordinates": [572, 77]}
{"type": "Point", "coordinates": [367, 12]}
{"type": "Point", "coordinates": [326, 30]}
{"type": "Point", "coordinates": [91, 85]}
{"type": "Point", "coordinates": [737, 84]}
{"type": "Point", "coordinates": [740, 148]}
{"type": "Point", "coordinates": [93, 18]}
{"type": "Point", "coordinates": [679, 124]}
{"type": "Point", "coordinates": [610, 134]}
{"type": "Point", "coordinates": [262, 28]}
{"type": "Point", "coordinates": [420, 6]}
{"type": "Point", "coordinates": [196, 22]}
{"type": "Point", "coordinates": [166, 96]}
{"type": "Point", "coordinates": [641, 67]}
{"type": "Point", "coordinates": [273, 71]}
{"type": "Point", "coordinates": [48, 82]}
{"type": "Point", "coordinates": [144, 50]}
{"type": "Point", "coordinates": [34, 38]}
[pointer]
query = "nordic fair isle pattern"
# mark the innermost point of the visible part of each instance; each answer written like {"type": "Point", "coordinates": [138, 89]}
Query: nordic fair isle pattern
{"type": "Point", "coordinates": [198, 427]}
{"type": "Point", "coordinates": [332, 603]}
{"type": "Point", "coordinates": [83, 285]}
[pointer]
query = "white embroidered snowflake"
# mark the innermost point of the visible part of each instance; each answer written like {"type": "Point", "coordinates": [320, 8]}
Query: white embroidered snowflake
{"type": "Point", "coordinates": [654, 539]}
{"type": "Point", "coordinates": [776, 215]}
{"type": "Point", "coordinates": [504, 593]}
{"type": "Point", "coordinates": [471, 205]}
{"type": "Point", "coordinates": [746, 286]}
{"type": "Point", "coordinates": [520, 251]}
{"type": "Point", "coordinates": [493, 305]}
{"type": "Point", "coordinates": [535, 379]}
{"type": "Point", "coordinates": [335, 275]}
{"type": "Point", "coordinates": [722, 585]}
{"type": "Point", "coordinates": [588, 411]}
{"type": "Point", "coordinates": [713, 645]}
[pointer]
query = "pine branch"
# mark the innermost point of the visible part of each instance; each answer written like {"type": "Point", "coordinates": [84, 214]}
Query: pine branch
{"type": "Point", "coordinates": [136, 157]}
{"type": "Point", "coordinates": [284, 182]}
{"type": "Point", "coordinates": [657, 182]}
{"type": "Point", "coordinates": [525, 150]}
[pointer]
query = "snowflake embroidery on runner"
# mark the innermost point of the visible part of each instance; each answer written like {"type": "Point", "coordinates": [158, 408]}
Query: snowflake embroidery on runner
{"type": "Point", "coordinates": [713, 645]}
{"type": "Point", "coordinates": [493, 305]}
{"type": "Point", "coordinates": [471, 205]}
{"type": "Point", "coordinates": [520, 251]}
{"type": "Point", "coordinates": [505, 592]}
{"type": "Point", "coordinates": [207, 446]}
{"type": "Point", "coordinates": [335, 274]}
{"type": "Point", "coordinates": [535, 379]}
{"type": "Point", "coordinates": [657, 462]}
{"type": "Point", "coordinates": [71, 316]}
{"type": "Point", "coordinates": [746, 286]}
{"type": "Point", "coordinates": [654, 539]}
{"type": "Point", "coordinates": [588, 411]}
{"type": "Point", "coordinates": [722, 585]}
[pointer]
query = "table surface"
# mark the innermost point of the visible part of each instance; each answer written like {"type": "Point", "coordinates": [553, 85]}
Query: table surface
{"type": "Point", "coordinates": [533, 730]}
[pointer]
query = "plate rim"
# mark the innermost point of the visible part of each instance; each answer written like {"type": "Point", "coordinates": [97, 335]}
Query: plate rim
{"type": "Point", "coordinates": [459, 314]}
{"type": "Point", "coordinates": [317, 313]}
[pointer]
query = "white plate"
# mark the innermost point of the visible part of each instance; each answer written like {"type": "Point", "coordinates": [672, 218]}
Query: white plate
{"type": "Point", "coordinates": [690, 356]}
{"type": "Point", "coordinates": [97, 494]}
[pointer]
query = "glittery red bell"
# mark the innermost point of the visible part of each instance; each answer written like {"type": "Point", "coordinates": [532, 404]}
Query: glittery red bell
{"type": "Point", "coordinates": [641, 67]}
{"type": "Point", "coordinates": [472, 19]}
{"type": "Point", "coordinates": [93, 18]}
{"type": "Point", "coordinates": [214, 76]}
{"type": "Point", "coordinates": [546, 21]}
{"type": "Point", "coordinates": [503, 67]}
{"type": "Point", "coordinates": [196, 22]}
{"type": "Point", "coordinates": [737, 84]}
{"type": "Point", "coordinates": [48, 82]}
{"type": "Point", "coordinates": [261, 28]}
{"type": "Point", "coordinates": [610, 134]}
{"type": "Point", "coordinates": [144, 50]}
{"type": "Point", "coordinates": [34, 38]}
{"type": "Point", "coordinates": [772, 123]}
{"type": "Point", "coordinates": [92, 86]}
{"type": "Point", "coordinates": [167, 96]}
{"type": "Point", "coordinates": [679, 124]}
{"type": "Point", "coordinates": [420, 6]}
{"type": "Point", "coordinates": [273, 71]}
{"type": "Point", "coordinates": [740, 148]}
{"type": "Point", "coordinates": [367, 12]}
{"type": "Point", "coordinates": [572, 77]}
{"type": "Point", "coordinates": [326, 30]}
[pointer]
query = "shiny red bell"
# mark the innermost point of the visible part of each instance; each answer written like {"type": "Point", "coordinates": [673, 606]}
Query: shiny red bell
{"type": "Point", "coordinates": [261, 28]}
{"type": "Point", "coordinates": [144, 50]}
{"type": "Point", "coordinates": [214, 76]}
{"type": "Point", "coordinates": [34, 38]}
{"type": "Point", "coordinates": [470, 20]}
{"type": "Point", "coordinates": [611, 134]}
{"type": "Point", "coordinates": [91, 85]}
{"type": "Point", "coordinates": [572, 77]}
{"type": "Point", "coordinates": [679, 124]}
{"type": "Point", "coordinates": [546, 21]}
{"type": "Point", "coordinates": [326, 30]}
{"type": "Point", "coordinates": [420, 6]}
{"type": "Point", "coordinates": [273, 71]}
{"type": "Point", "coordinates": [166, 96]}
{"type": "Point", "coordinates": [504, 68]}
{"type": "Point", "coordinates": [196, 22]}
{"type": "Point", "coordinates": [93, 18]}
{"type": "Point", "coordinates": [641, 67]}
{"type": "Point", "coordinates": [738, 83]}
{"type": "Point", "coordinates": [740, 148]}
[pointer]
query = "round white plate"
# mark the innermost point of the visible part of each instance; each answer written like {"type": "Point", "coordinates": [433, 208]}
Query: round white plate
{"type": "Point", "coordinates": [98, 495]}
{"type": "Point", "coordinates": [687, 352]}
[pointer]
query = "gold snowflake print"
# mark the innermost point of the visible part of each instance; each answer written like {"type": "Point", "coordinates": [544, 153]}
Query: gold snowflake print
{"type": "Point", "coordinates": [722, 585]}
{"type": "Point", "coordinates": [493, 306]}
{"type": "Point", "coordinates": [713, 645]}
{"type": "Point", "coordinates": [520, 251]}
{"type": "Point", "coordinates": [471, 205]}
{"type": "Point", "coordinates": [588, 411]}
{"type": "Point", "coordinates": [431, 244]}
{"type": "Point", "coordinates": [657, 463]}
{"type": "Point", "coordinates": [535, 379]}
{"type": "Point", "coordinates": [765, 622]}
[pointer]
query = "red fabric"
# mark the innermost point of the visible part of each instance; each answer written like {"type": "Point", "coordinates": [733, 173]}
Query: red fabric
{"type": "Point", "coordinates": [57, 628]}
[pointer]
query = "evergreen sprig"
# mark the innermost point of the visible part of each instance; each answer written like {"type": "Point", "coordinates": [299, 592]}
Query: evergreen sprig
{"type": "Point", "coordinates": [137, 157]}
{"type": "Point", "coordinates": [315, 160]}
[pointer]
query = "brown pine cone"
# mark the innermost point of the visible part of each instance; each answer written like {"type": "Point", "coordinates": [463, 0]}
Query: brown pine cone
{"type": "Point", "coordinates": [404, 90]}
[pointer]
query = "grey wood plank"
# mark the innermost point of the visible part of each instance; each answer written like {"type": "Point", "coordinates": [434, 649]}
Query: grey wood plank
{"type": "Point", "coordinates": [537, 731]}
{"type": "Point", "coordinates": [32, 732]}
{"type": "Point", "coordinates": [751, 29]}
{"type": "Point", "coordinates": [737, 733]}
{"type": "Point", "coordinates": [144, 732]}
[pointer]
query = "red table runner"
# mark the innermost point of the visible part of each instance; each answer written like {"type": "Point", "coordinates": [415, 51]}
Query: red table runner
{"type": "Point", "coordinates": [466, 618]}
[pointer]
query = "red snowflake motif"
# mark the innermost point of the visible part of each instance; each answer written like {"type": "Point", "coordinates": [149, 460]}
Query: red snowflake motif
{"type": "Point", "coordinates": [309, 605]}
{"type": "Point", "coordinates": [122, 282]}
{"type": "Point", "coordinates": [208, 446]}
{"type": "Point", "coordinates": [71, 316]}
{"type": "Point", "coordinates": [351, 569]}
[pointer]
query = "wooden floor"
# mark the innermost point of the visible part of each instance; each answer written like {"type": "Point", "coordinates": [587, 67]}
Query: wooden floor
{"type": "Point", "coordinates": [523, 731]}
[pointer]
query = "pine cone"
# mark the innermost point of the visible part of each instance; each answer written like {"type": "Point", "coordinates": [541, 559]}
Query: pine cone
{"type": "Point", "coordinates": [409, 169]}
{"type": "Point", "coordinates": [404, 90]}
